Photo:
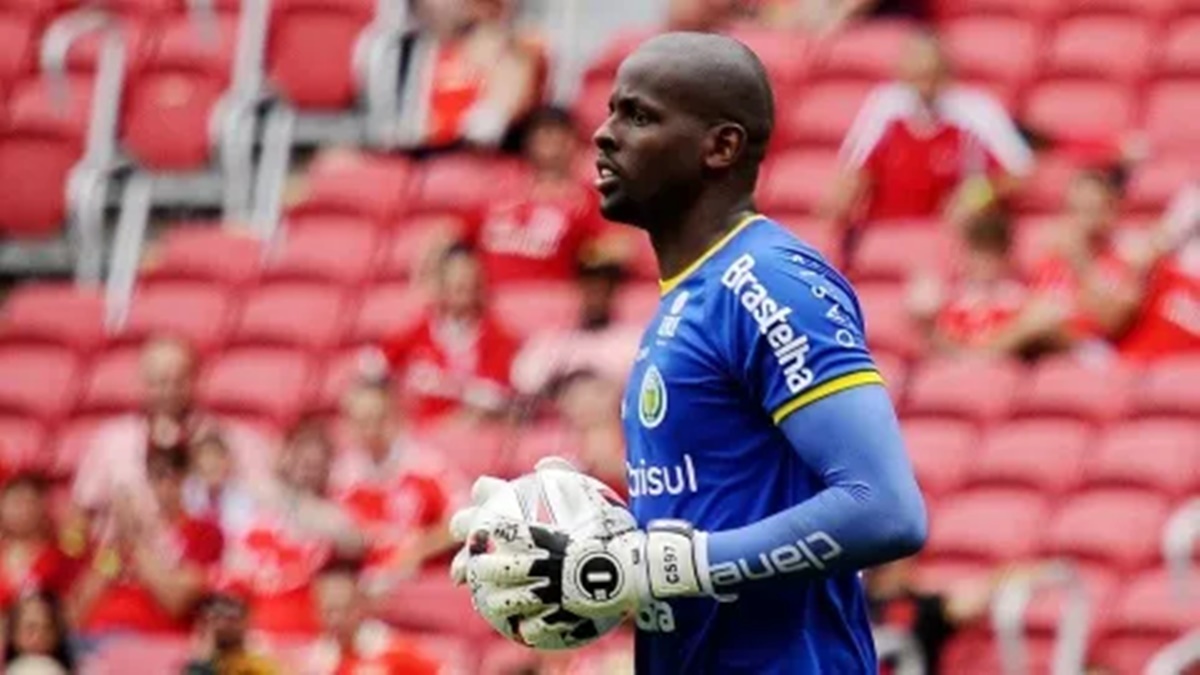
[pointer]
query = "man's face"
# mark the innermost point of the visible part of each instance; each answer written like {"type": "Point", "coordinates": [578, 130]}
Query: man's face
{"type": "Point", "coordinates": [924, 68]}
{"type": "Point", "coordinates": [22, 511]}
{"type": "Point", "coordinates": [651, 151]}
{"type": "Point", "coordinates": [1092, 205]}
{"type": "Point", "coordinates": [368, 411]}
{"type": "Point", "coordinates": [167, 376]}
{"type": "Point", "coordinates": [166, 482]}
{"type": "Point", "coordinates": [551, 148]}
{"type": "Point", "coordinates": [460, 287]}
{"type": "Point", "coordinates": [306, 465]}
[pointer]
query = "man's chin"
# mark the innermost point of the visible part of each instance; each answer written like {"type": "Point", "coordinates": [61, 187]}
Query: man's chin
{"type": "Point", "coordinates": [618, 210]}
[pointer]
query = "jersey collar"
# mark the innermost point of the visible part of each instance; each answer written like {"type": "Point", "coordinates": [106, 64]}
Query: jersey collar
{"type": "Point", "coordinates": [668, 285]}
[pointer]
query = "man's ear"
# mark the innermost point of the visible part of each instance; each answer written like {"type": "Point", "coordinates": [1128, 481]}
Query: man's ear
{"type": "Point", "coordinates": [726, 143]}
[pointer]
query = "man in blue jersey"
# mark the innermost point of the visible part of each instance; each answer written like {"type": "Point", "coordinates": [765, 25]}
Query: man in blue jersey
{"type": "Point", "coordinates": [765, 461]}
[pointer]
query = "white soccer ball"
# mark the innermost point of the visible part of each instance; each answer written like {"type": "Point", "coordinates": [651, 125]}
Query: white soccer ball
{"type": "Point", "coordinates": [564, 500]}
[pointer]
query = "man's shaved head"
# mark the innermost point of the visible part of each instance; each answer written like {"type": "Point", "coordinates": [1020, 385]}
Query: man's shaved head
{"type": "Point", "coordinates": [690, 114]}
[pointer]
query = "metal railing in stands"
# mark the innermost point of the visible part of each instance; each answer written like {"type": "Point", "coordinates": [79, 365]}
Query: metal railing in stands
{"type": "Point", "coordinates": [900, 648]}
{"type": "Point", "coordinates": [1181, 537]}
{"type": "Point", "coordinates": [1177, 657]}
{"type": "Point", "coordinates": [1008, 620]}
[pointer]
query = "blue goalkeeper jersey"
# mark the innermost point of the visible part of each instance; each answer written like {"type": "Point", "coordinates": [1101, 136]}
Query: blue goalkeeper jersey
{"type": "Point", "coordinates": [759, 327]}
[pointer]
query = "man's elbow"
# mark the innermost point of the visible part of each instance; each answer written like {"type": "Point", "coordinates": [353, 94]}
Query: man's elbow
{"type": "Point", "coordinates": [907, 527]}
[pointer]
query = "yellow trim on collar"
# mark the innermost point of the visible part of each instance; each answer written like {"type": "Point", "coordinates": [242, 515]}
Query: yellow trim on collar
{"type": "Point", "coordinates": [848, 381]}
{"type": "Point", "coordinates": [668, 285]}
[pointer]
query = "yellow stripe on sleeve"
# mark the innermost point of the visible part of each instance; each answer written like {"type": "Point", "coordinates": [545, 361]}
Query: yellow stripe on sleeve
{"type": "Point", "coordinates": [848, 381]}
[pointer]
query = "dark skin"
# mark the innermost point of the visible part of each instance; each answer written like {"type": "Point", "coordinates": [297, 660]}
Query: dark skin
{"type": "Point", "coordinates": [689, 121]}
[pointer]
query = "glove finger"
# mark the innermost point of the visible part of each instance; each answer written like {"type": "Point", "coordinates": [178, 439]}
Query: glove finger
{"type": "Point", "coordinates": [518, 601]}
{"type": "Point", "coordinates": [485, 487]}
{"type": "Point", "coordinates": [554, 463]}
{"type": "Point", "coordinates": [501, 569]}
{"type": "Point", "coordinates": [461, 522]}
{"type": "Point", "coordinates": [548, 627]}
{"type": "Point", "coordinates": [458, 566]}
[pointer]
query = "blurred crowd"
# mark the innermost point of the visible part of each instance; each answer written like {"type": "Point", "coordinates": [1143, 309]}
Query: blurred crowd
{"type": "Point", "coordinates": [180, 523]}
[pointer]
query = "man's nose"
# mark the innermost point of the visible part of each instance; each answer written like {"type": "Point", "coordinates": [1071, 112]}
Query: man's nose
{"type": "Point", "coordinates": [603, 138]}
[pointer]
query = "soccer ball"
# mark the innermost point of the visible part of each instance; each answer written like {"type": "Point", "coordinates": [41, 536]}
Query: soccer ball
{"type": "Point", "coordinates": [562, 500]}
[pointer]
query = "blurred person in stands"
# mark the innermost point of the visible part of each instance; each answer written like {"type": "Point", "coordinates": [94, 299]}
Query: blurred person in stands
{"type": "Point", "coordinates": [925, 147]}
{"type": "Point", "coordinates": [115, 463]}
{"type": "Point", "coordinates": [36, 637]}
{"type": "Point", "coordinates": [31, 556]}
{"type": "Point", "coordinates": [213, 489]}
{"type": "Point", "coordinates": [147, 574]}
{"type": "Point", "coordinates": [399, 493]}
{"type": "Point", "coordinates": [467, 75]}
{"type": "Point", "coordinates": [294, 530]}
{"type": "Point", "coordinates": [351, 642]}
{"type": "Point", "coordinates": [984, 308]}
{"type": "Point", "coordinates": [456, 361]}
{"type": "Point", "coordinates": [221, 644]}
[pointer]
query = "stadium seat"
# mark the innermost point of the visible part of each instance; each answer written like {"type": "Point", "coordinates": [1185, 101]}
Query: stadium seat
{"type": "Point", "coordinates": [1179, 55]}
{"type": "Point", "coordinates": [71, 442]}
{"type": "Point", "coordinates": [868, 50]}
{"type": "Point", "coordinates": [942, 452]}
{"type": "Point", "coordinates": [1073, 109]}
{"type": "Point", "coordinates": [39, 9]}
{"type": "Point", "coordinates": [193, 311]}
{"type": "Point", "coordinates": [1067, 387]}
{"type": "Point", "coordinates": [1155, 182]}
{"type": "Point", "coordinates": [894, 370]}
{"type": "Point", "coordinates": [536, 441]}
{"type": "Point", "coordinates": [785, 54]}
{"type": "Point", "coordinates": [1047, 605]}
{"type": "Point", "coordinates": [113, 384]}
{"type": "Point", "coordinates": [987, 525]}
{"type": "Point", "coordinates": [472, 449]}
{"type": "Point", "coordinates": [41, 140]}
{"type": "Point", "coordinates": [38, 381]}
{"type": "Point", "coordinates": [1102, 47]}
{"type": "Point", "coordinates": [22, 445]}
{"type": "Point", "coordinates": [412, 244]}
{"type": "Point", "coordinates": [1161, 455]}
{"type": "Point", "coordinates": [1042, 192]}
{"type": "Point", "coordinates": [822, 115]}
{"type": "Point", "coordinates": [316, 79]}
{"type": "Point", "coordinates": [18, 37]}
{"type": "Point", "coordinates": [1116, 528]}
{"type": "Point", "coordinates": [303, 315]}
{"type": "Point", "coordinates": [533, 307]}
{"type": "Point", "coordinates": [895, 253]}
{"type": "Point", "coordinates": [1030, 10]}
{"type": "Point", "coordinates": [636, 303]}
{"type": "Point", "coordinates": [604, 65]}
{"type": "Point", "coordinates": [1168, 387]}
{"type": "Point", "coordinates": [889, 325]}
{"type": "Point", "coordinates": [1001, 50]}
{"type": "Point", "coordinates": [1172, 106]}
{"type": "Point", "coordinates": [333, 250]}
{"type": "Point", "coordinates": [797, 181]}
{"type": "Point", "coordinates": [139, 654]}
{"type": "Point", "coordinates": [258, 384]}
{"type": "Point", "coordinates": [61, 314]}
{"type": "Point", "coordinates": [386, 310]}
{"type": "Point", "coordinates": [462, 183]}
{"type": "Point", "coordinates": [170, 101]}
{"type": "Point", "coordinates": [205, 252]}
{"type": "Point", "coordinates": [1044, 455]}
{"type": "Point", "coordinates": [337, 375]}
{"type": "Point", "coordinates": [816, 232]}
{"type": "Point", "coordinates": [444, 608]}
{"type": "Point", "coordinates": [1148, 613]}
{"type": "Point", "coordinates": [375, 187]}
{"type": "Point", "coordinates": [975, 389]}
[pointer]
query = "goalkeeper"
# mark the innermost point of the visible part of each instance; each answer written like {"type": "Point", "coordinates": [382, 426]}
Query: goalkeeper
{"type": "Point", "coordinates": [764, 457]}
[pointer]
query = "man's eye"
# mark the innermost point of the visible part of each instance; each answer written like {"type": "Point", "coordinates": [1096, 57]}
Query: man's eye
{"type": "Point", "coordinates": [639, 118]}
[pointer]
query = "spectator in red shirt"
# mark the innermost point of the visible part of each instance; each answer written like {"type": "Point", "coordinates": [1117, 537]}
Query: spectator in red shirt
{"type": "Point", "coordinates": [294, 530]}
{"type": "Point", "coordinates": [148, 574]}
{"type": "Point", "coordinates": [352, 643]}
{"type": "Point", "coordinates": [924, 147]}
{"type": "Point", "coordinates": [456, 361]}
{"type": "Point", "coordinates": [30, 557]}
{"type": "Point", "coordinates": [399, 492]}
{"type": "Point", "coordinates": [36, 635]}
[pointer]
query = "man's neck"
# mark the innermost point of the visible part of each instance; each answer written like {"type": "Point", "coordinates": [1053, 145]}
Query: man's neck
{"type": "Point", "coordinates": [680, 243]}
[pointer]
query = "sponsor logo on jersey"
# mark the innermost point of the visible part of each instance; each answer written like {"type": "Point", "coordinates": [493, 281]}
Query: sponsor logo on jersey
{"type": "Point", "coordinates": [652, 481]}
{"type": "Point", "coordinates": [652, 398]}
{"type": "Point", "coordinates": [670, 323]}
{"type": "Point", "coordinates": [811, 552]}
{"type": "Point", "coordinates": [789, 345]}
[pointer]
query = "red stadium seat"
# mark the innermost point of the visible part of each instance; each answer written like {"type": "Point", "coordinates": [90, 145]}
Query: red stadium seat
{"type": "Point", "coordinates": [1169, 387]}
{"type": "Point", "coordinates": [40, 382]}
{"type": "Point", "coordinates": [1043, 191]}
{"type": "Point", "coordinates": [992, 49]}
{"type": "Point", "coordinates": [359, 184]}
{"type": "Point", "coordinates": [1066, 387]}
{"type": "Point", "coordinates": [61, 314]}
{"type": "Point", "coordinates": [869, 50]}
{"type": "Point", "coordinates": [473, 449]}
{"type": "Point", "coordinates": [1172, 107]}
{"type": "Point", "coordinates": [71, 443]}
{"type": "Point", "coordinates": [1143, 10]}
{"type": "Point", "coordinates": [18, 37]}
{"type": "Point", "coordinates": [1047, 605]}
{"type": "Point", "coordinates": [338, 374]}
{"type": "Point", "coordinates": [264, 384]}
{"type": "Point", "coordinates": [1045, 455]}
{"type": "Point", "coordinates": [40, 142]}
{"type": "Point", "coordinates": [1065, 109]}
{"type": "Point", "coordinates": [170, 100]}
{"type": "Point", "coordinates": [1118, 528]}
{"type": "Point", "coordinates": [968, 388]}
{"type": "Point", "coordinates": [604, 65]}
{"type": "Point", "coordinates": [894, 371]}
{"type": "Point", "coordinates": [139, 654]}
{"type": "Point", "coordinates": [889, 325]}
{"type": "Point", "coordinates": [386, 310]}
{"type": "Point", "coordinates": [461, 183]}
{"type": "Point", "coordinates": [413, 241]}
{"type": "Point", "coordinates": [942, 452]}
{"type": "Point", "coordinates": [988, 525]}
{"type": "Point", "coordinates": [1148, 613]}
{"type": "Point", "coordinates": [1180, 53]}
{"type": "Point", "coordinates": [1155, 182]}
{"type": "Point", "coordinates": [40, 9]}
{"type": "Point", "coordinates": [113, 385]}
{"type": "Point", "coordinates": [328, 249]}
{"type": "Point", "coordinates": [896, 253]}
{"type": "Point", "coordinates": [205, 252]}
{"type": "Point", "coordinates": [23, 445]}
{"type": "Point", "coordinates": [1101, 47]}
{"type": "Point", "coordinates": [636, 303]}
{"type": "Point", "coordinates": [1031, 10]}
{"type": "Point", "coordinates": [822, 115]}
{"type": "Point", "coordinates": [816, 232]}
{"type": "Point", "coordinates": [196, 312]}
{"type": "Point", "coordinates": [537, 441]}
{"type": "Point", "coordinates": [316, 79]}
{"type": "Point", "coordinates": [785, 54]}
{"type": "Point", "coordinates": [1162, 455]}
{"type": "Point", "coordinates": [797, 181]}
{"type": "Point", "coordinates": [533, 307]}
{"type": "Point", "coordinates": [308, 316]}
{"type": "Point", "coordinates": [445, 608]}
